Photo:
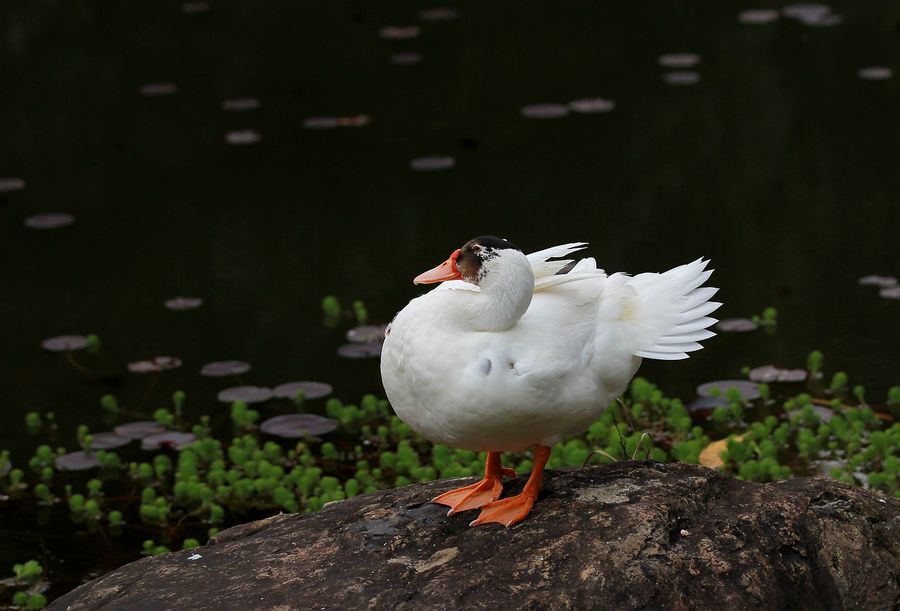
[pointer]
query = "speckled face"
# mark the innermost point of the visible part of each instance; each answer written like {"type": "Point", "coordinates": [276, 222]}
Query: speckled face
{"type": "Point", "coordinates": [475, 252]}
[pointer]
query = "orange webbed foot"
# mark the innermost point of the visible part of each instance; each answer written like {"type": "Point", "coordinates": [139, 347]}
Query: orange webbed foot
{"type": "Point", "coordinates": [471, 497]}
{"type": "Point", "coordinates": [481, 493]}
{"type": "Point", "coordinates": [507, 511]}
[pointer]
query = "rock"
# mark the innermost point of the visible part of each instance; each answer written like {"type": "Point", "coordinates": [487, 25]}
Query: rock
{"type": "Point", "coordinates": [631, 535]}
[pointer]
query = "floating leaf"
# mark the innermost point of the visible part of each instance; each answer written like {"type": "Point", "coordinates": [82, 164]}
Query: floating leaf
{"type": "Point", "coordinates": [544, 111]}
{"type": "Point", "coordinates": [432, 163]}
{"type": "Point", "coordinates": [360, 351]}
{"type": "Point", "coordinates": [736, 325]}
{"type": "Point", "coordinates": [109, 441]}
{"type": "Point", "coordinates": [702, 404]}
{"type": "Point", "coordinates": [247, 394]}
{"type": "Point", "coordinates": [882, 281]}
{"type": "Point", "coordinates": [243, 137]}
{"type": "Point", "coordinates": [366, 334]}
{"type": "Point", "coordinates": [812, 14]}
{"type": "Point", "coordinates": [295, 426]}
{"type": "Point", "coordinates": [711, 456]}
{"type": "Point", "coordinates": [240, 104]}
{"type": "Point", "coordinates": [194, 8]}
{"type": "Point", "coordinates": [771, 373]}
{"type": "Point", "coordinates": [219, 369]}
{"type": "Point", "coordinates": [393, 32]}
{"type": "Point", "coordinates": [76, 461]}
{"type": "Point", "coordinates": [8, 185]}
{"type": "Point", "coordinates": [892, 292]}
{"type": "Point", "coordinates": [157, 89]}
{"type": "Point", "coordinates": [173, 440]}
{"type": "Point", "coordinates": [64, 343]}
{"type": "Point", "coordinates": [406, 59]}
{"type": "Point", "coordinates": [678, 60]}
{"type": "Point", "coordinates": [748, 390]}
{"type": "Point", "coordinates": [438, 14]}
{"type": "Point", "coordinates": [592, 105]}
{"type": "Point", "coordinates": [681, 77]}
{"type": "Point", "coordinates": [155, 365]}
{"type": "Point", "coordinates": [875, 73]}
{"type": "Point", "coordinates": [311, 390]}
{"type": "Point", "coordinates": [824, 413]}
{"type": "Point", "coordinates": [183, 303]}
{"type": "Point", "coordinates": [139, 429]}
{"type": "Point", "coordinates": [49, 220]}
{"type": "Point", "coordinates": [758, 16]}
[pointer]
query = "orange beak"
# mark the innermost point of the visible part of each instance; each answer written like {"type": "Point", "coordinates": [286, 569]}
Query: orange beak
{"type": "Point", "coordinates": [445, 271]}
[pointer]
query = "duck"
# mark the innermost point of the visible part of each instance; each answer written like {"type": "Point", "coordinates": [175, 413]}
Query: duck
{"type": "Point", "coordinates": [514, 351]}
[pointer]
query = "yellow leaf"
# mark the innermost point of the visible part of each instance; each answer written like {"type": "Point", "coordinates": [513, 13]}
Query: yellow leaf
{"type": "Point", "coordinates": [711, 456]}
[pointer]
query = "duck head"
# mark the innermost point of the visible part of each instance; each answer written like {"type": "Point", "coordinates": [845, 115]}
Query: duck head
{"type": "Point", "coordinates": [502, 272]}
{"type": "Point", "coordinates": [474, 261]}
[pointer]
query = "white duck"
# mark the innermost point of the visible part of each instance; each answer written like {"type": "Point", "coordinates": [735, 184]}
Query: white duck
{"type": "Point", "coordinates": [516, 351]}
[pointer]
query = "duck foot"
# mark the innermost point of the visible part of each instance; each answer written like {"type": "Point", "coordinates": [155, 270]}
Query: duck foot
{"type": "Point", "coordinates": [514, 509]}
{"type": "Point", "coordinates": [507, 511]}
{"type": "Point", "coordinates": [479, 494]}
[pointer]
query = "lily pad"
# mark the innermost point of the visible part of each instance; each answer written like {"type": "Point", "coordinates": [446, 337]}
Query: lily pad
{"type": "Point", "coordinates": [76, 461]}
{"type": "Point", "coordinates": [174, 440]}
{"type": "Point", "coordinates": [157, 89]}
{"type": "Point", "coordinates": [311, 390]}
{"type": "Point", "coordinates": [702, 404]}
{"type": "Point", "coordinates": [219, 369]}
{"type": "Point", "coordinates": [771, 373]}
{"type": "Point", "coordinates": [248, 394]}
{"type": "Point", "coordinates": [432, 163]}
{"type": "Point", "coordinates": [592, 105]}
{"type": "Point", "coordinates": [758, 16]}
{"type": "Point", "coordinates": [711, 456]}
{"type": "Point", "coordinates": [109, 441]}
{"type": "Point", "coordinates": [406, 59]}
{"type": "Point", "coordinates": [243, 137]}
{"type": "Point", "coordinates": [812, 14]}
{"type": "Point", "coordinates": [678, 60]}
{"type": "Point", "coordinates": [195, 8]}
{"type": "Point", "coordinates": [295, 426]}
{"type": "Point", "coordinates": [183, 303]}
{"type": "Point", "coordinates": [366, 334]}
{"type": "Point", "coordinates": [8, 185]}
{"type": "Point", "coordinates": [681, 77]}
{"type": "Point", "coordinates": [360, 351]}
{"type": "Point", "coordinates": [139, 429]}
{"type": "Point", "coordinates": [824, 413]}
{"type": "Point", "coordinates": [64, 343]}
{"type": "Point", "coordinates": [892, 292]}
{"type": "Point", "coordinates": [748, 390]}
{"type": "Point", "coordinates": [49, 220]}
{"type": "Point", "coordinates": [875, 73]}
{"type": "Point", "coordinates": [736, 325]}
{"type": "Point", "coordinates": [393, 32]}
{"type": "Point", "coordinates": [544, 111]}
{"type": "Point", "coordinates": [240, 104]}
{"type": "Point", "coordinates": [155, 365]}
{"type": "Point", "coordinates": [882, 281]}
{"type": "Point", "coordinates": [438, 14]}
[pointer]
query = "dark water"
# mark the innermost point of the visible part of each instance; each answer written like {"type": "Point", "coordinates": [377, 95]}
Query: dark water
{"type": "Point", "coordinates": [780, 165]}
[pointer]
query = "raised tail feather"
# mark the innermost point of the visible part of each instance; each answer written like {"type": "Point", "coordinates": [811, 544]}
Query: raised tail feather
{"type": "Point", "coordinates": [672, 311]}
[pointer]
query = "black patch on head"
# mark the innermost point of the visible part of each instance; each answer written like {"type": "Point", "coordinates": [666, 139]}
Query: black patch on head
{"type": "Point", "coordinates": [493, 243]}
{"type": "Point", "coordinates": [476, 251]}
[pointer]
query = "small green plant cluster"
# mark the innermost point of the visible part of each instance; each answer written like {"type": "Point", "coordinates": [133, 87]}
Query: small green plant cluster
{"type": "Point", "coordinates": [332, 311]}
{"type": "Point", "coordinates": [28, 574]}
{"type": "Point", "coordinates": [768, 317]}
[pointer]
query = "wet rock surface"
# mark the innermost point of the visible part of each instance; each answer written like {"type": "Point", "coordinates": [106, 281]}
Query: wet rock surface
{"type": "Point", "coordinates": [631, 535]}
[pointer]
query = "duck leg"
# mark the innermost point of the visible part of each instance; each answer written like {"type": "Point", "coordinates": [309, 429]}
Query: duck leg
{"type": "Point", "coordinates": [515, 508]}
{"type": "Point", "coordinates": [472, 497]}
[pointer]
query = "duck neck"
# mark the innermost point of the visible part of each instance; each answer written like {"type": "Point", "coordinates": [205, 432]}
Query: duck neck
{"type": "Point", "coordinates": [505, 295]}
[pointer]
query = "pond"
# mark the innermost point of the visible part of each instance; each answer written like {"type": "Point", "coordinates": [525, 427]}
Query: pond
{"type": "Point", "coordinates": [251, 159]}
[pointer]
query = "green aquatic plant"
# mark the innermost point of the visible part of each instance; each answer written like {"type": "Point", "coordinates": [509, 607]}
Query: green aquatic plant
{"type": "Point", "coordinates": [768, 318]}
{"type": "Point", "coordinates": [815, 362]}
{"type": "Point", "coordinates": [109, 404]}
